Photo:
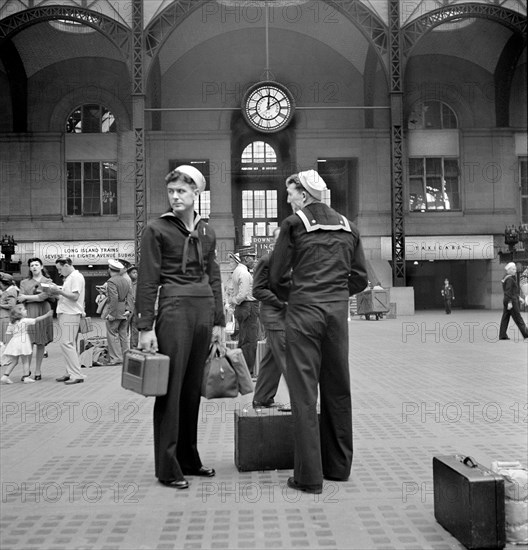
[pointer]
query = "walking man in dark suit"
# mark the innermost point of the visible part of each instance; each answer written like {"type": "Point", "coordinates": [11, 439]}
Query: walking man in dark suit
{"type": "Point", "coordinates": [448, 292]}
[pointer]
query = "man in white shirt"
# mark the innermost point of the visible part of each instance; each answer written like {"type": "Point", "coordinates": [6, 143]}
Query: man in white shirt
{"type": "Point", "coordinates": [70, 308]}
{"type": "Point", "coordinates": [246, 307]}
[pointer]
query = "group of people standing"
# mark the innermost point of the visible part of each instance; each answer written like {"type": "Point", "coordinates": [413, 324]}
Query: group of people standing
{"type": "Point", "coordinates": [26, 311]}
{"type": "Point", "coordinates": [317, 263]}
{"type": "Point", "coordinates": [26, 315]}
{"type": "Point", "coordinates": [26, 322]}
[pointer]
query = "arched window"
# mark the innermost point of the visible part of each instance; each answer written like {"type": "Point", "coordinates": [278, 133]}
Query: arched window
{"type": "Point", "coordinates": [259, 202]}
{"type": "Point", "coordinates": [90, 119]}
{"type": "Point", "coordinates": [259, 155]}
{"type": "Point", "coordinates": [432, 115]}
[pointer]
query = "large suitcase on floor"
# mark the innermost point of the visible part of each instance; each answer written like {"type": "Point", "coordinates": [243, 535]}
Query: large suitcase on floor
{"type": "Point", "coordinates": [469, 501]}
{"type": "Point", "coordinates": [263, 440]}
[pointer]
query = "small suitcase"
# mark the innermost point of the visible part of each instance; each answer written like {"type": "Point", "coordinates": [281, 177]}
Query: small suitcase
{"type": "Point", "coordinates": [469, 501]}
{"type": "Point", "coordinates": [263, 440]}
{"type": "Point", "coordinates": [86, 343]}
{"type": "Point", "coordinates": [145, 373]}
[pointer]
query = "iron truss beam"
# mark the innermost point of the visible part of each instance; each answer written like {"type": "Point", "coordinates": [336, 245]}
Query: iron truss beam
{"type": "Point", "coordinates": [412, 32]}
{"type": "Point", "coordinates": [116, 32]}
{"type": "Point", "coordinates": [165, 23]}
{"type": "Point", "coordinates": [396, 103]}
{"type": "Point", "coordinates": [140, 212]}
{"type": "Point", "coordinates": [368, 22]}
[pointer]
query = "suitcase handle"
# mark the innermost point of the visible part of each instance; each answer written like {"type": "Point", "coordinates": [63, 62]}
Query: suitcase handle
{"type": "Point", "coordinates": [468, 461]}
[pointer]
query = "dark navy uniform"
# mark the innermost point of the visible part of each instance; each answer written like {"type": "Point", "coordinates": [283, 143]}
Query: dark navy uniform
{"type": "Point", "coordinates": [182, 266]}
{"type": "Point", "coordinates": [272, 316]}
{"type": "Point", "coordinates": [324, 252]}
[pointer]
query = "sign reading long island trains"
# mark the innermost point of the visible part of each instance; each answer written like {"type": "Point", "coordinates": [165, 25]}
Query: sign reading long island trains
{"type": "Point", "coordinates": [84, 252]}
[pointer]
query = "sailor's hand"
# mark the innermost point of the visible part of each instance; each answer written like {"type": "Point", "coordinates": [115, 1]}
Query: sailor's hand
{"type": "Point", "coordinates": [148, 341]}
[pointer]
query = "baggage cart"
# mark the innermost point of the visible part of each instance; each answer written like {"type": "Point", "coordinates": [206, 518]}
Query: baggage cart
{"type": "Point", "coordinates": [373, 302]}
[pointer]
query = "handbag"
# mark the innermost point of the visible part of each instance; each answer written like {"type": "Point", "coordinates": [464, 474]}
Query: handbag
{"type": "Point", "coordinates": [85, 325]}
{"type": "Point", "coordinates": [219, 379]}
{"type": "Point", "coordinates": [238, 362]}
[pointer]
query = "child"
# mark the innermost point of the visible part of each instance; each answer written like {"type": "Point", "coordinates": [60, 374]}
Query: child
{"type": "Point", "coordinates": [20, 346]}
{"type": "Point", "coordinates": [101, 298]}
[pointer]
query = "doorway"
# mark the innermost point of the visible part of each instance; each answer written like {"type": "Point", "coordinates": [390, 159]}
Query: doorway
{"type": "Point", "coordinates": [427, 279]}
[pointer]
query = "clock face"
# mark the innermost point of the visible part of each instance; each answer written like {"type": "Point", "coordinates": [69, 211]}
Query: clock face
{"type": "Point", "coordinates": [268, 106]}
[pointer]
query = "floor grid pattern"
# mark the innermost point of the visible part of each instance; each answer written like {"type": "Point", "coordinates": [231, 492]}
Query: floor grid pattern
{"type": "Point", "coordinates": [77, 462]}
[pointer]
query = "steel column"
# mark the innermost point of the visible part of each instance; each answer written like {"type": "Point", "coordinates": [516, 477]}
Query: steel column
{"type": "Point", "coordinates": [396, 137]}
{"type": "Point", "coordinates": [138, 115]}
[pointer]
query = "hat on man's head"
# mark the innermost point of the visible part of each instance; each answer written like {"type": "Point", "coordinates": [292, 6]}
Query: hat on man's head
{"type": "Point", "coordinates": [247, 251]}
{"type": "Point", "coordinates": [114, 265]}
{"type": "Point", "coordinates": [131, 268]}
{"type": "Point", "coordinates": [6, 278]}
{"type": "Point", "coordinates": [193, 173]}
{"type": "Point", "coordinates": [313, 183]}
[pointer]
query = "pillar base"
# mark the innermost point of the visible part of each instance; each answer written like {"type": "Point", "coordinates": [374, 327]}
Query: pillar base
{"type": "Point", "coordinates": [403, 296]}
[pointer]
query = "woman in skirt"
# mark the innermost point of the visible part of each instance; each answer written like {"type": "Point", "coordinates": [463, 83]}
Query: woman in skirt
{"type": "Point", "coordinates": [37, 302]}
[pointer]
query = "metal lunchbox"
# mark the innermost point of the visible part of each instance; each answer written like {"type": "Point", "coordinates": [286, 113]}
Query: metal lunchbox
{"type": "Point", "coordinates": [469, 501]}
{"type": "Point", "coordinates": [145, 373]}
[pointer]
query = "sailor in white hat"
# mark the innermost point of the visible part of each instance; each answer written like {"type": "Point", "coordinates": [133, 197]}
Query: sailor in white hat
{"type": "Point", "coordinates": [322, 250]}
{"type": "Point", "coordinates": [178, 259]}
{"type": "Point", "coordinates": [191, 172]}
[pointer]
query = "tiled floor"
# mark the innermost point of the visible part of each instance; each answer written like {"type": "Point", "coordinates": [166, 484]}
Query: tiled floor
{"type": "Point", "coordinates": [77, 465]}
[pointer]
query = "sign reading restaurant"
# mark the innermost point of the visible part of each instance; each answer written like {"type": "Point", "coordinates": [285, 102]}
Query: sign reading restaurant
{"type": "Point", "coordinates": [85, 252]}
{"type": "Point", "coordinates": [443, 247]}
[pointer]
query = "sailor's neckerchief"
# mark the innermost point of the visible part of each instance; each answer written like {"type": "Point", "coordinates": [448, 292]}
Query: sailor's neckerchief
{"type": "Point", "coordinates": [191, 236]}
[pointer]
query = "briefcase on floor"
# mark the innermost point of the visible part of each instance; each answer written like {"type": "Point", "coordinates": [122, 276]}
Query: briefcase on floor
{"type": "Point", "coordinates": [145, 373]}
{"type": "Point", "coordinates": [469, 501]}
{"type": "Point", "coordinates": [263, 440]}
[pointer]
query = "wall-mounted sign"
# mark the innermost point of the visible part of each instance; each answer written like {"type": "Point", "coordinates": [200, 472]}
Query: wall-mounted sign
{"type": "Point", "coordinates": [263, 245]}
{"type": "Point", "coordinates": [443, 247]}
{"type": "Point", "coordinates": [84, 252]}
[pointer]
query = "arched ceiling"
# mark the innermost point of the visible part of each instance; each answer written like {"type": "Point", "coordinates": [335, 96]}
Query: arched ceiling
{"type": "Point", "coordinates": [480, 41]}
{"type": "Point", "coordinates": [339, 33]}
{"type": "Point", "coordinates": [42, 44]}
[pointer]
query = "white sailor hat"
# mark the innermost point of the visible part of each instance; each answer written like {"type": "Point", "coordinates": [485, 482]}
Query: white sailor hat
{"type": "Point", "coordinates": [114, 265]}
{"type": "Point", "coordinates": [190, 171]}
{"type": "Point", "coordinates": [313, 183]}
